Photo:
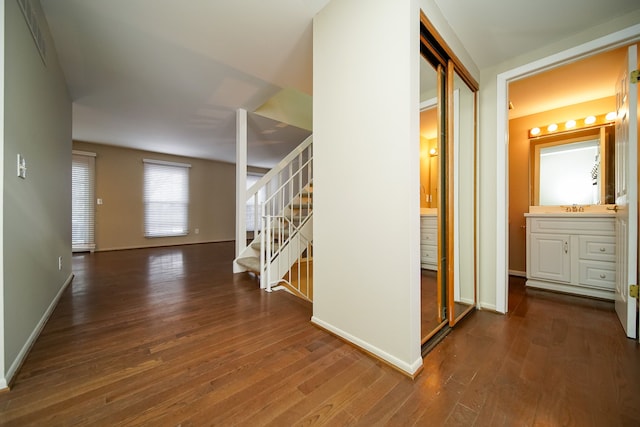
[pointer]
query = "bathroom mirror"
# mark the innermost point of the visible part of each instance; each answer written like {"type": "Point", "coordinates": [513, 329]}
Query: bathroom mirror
{"type": "Point", "coordinates": [573, 168]}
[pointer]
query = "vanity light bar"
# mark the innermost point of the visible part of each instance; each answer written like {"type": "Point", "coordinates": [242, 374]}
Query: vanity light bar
{"type": "Point", "coordinates": [590, 121]}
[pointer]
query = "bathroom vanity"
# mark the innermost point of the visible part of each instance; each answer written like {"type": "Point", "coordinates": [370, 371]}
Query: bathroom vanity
{"type": "Point", "coordinates": [572, 252]}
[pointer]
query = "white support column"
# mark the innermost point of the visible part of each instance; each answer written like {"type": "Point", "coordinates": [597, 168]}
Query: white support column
{"type": "Point", "coordinates": [241, 184]}
{"type": "Point", "coordinates": [3, 381]}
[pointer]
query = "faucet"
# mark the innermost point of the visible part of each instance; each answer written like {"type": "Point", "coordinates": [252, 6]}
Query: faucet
{"type": "Point", "coordinates": [574, 208]}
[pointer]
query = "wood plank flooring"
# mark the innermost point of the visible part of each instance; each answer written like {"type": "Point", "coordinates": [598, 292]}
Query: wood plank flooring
{"type": "Point", "coordinates": [169, 336]}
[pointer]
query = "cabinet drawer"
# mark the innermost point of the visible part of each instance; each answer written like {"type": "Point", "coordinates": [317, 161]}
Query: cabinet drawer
{"type": "Point", "coordinates": [428, 223]}
{"type": "Point", "coordinates": [428, 254]}
{"type": "Point", "coordinates": [598, 248]}
{"type": "Point", "coordinates": [597, 274]}
{"type": "Point", "coordinates": [586, 225]}
{"type": "Point", "coordinates": [428, 237]}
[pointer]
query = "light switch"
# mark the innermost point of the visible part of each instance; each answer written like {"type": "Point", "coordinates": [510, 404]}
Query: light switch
{"type": "Point", "coordinates": [99, 201]}
{"type": "Point", "coordinates": [22, 167]}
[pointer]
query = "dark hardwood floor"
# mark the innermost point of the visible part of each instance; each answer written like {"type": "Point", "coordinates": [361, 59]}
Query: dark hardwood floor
{"type": "Point", "coordinates": [171, 337]}
{"type": "Point", "coordinates": [428, 302]}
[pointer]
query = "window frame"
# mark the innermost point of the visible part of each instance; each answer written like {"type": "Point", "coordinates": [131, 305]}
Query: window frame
{"type": "Point", "coordinates": [88, 204]}
{"type": "Point", "coordinates": [152, 222]}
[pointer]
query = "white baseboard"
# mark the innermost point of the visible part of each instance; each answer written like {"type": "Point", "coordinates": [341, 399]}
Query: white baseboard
{"type": "Point", "coordinates": [409, 368]}
{"type": "Point", "coordinates": [490, 307]}
{"type": "Point", "coordinates": [518, 273]}
{"type": "Point", "coordinates": [467, 301]}
{"type": "Point", "coordinates": [13, 369]}
{"type": "Point", "coordinates": [166, 245]}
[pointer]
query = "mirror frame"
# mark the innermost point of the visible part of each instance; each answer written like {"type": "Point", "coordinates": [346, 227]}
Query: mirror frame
{"type": "Point", "coordinates": [605, 133]}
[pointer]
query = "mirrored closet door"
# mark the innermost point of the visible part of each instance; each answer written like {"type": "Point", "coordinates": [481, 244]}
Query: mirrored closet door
{"type": "Point", "coordinates": [448, 96]}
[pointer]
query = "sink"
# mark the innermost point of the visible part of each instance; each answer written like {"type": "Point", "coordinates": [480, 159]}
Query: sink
{"type": "Point", "coordinates": [573, 209]}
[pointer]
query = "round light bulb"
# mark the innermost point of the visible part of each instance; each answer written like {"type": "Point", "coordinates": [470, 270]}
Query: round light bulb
{"type": "Point", "coordinates": [570, 124]}
{"type": "Point", "coordinates": [535, 131]}
{"type": "Point", "coordinates": [590, 120]}
{"type": "Point", "coordinates": [552, 127]}
{"type": "Point", "coordinates": [610, 116]}
{"type": "Point", "coordinates": [432, 151]}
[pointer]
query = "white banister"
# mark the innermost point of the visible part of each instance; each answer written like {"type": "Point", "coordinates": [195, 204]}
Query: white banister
{"type": "Point", "coordinates": [283, 227]}
{"type": "Point", "coordinates": [284, 163]}
{"type": "Point", "coordinates": [284, 214]}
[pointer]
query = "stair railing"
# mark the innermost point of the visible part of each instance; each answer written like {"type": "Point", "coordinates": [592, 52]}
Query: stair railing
{"type": "Point", "coordinates": [299, 274]}
{"type": "Point", "coordinates": [284, 216]}
{"type": "Point", "coordinates": [276, 177]}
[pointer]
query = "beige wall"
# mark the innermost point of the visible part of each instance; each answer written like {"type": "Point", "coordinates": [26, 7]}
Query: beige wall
{"type": "Point", "coordinates": [36, 225]}
{"type": "Point", "coordinates": [367, 285]}
{"type": "Point", "coordinates": [519, 189]}
{"type": "Point", "coordinates": [119, 183]}
{"type": "Point", "coordinates": [367, 265]}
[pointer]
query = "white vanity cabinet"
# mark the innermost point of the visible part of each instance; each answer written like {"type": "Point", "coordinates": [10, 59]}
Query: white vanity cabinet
{"type": "Point", "coordinates": [571, 253]}
{"type": "Point", "coordinates": [429, 242]}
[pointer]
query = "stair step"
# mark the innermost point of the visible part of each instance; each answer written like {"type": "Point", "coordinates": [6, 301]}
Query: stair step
{"type": "Point", "coordinates": [256, 245]}
{"type": "Point", "coordinates": [250, 263]}
{"type": "Point", "coordinates": [298, 216]}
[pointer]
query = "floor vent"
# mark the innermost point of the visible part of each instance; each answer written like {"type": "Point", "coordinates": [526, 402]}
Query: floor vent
{"type": "Point", "coordinates": [32, 22]}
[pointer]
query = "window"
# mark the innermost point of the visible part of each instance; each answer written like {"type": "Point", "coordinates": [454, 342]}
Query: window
{"type": "Point", "coordinates": [82, 197]}
{"type": "Point", "coordinates": [166, 198]}
{"type": "Point", "coordinates": [251, 203]}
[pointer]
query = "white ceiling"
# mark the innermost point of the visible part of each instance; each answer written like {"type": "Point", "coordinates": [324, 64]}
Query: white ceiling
{"type": "Point", "coordinates": [493, 31]}
{"type": "Point", "coordinates": [167, 76]}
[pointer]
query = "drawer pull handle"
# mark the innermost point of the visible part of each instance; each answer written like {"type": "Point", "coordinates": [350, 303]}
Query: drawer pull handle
{"type": "Point", "coordinates": [566, 247]}
{"type": "Point", "coordinates": [603, 276]}
{"type": "Point", "coordinates": [602, 249]}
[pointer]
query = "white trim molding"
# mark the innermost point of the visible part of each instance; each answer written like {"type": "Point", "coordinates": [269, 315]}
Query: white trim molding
{"type": "Point", "coordinates": [83, 153]}
{"type": "Point", "coordinates": [410, 368]}
{"type": "Point", "coordinates": [165, 163]}
{"type": "Point", "coordinates": [24, 351]}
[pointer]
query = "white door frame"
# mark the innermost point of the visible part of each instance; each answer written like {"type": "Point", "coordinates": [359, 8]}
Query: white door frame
{"type": "Point", "coordinates": [611, 41]}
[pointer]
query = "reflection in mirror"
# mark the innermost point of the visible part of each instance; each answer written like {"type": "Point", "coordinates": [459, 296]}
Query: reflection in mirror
{"type": "Point", "coordinates": [574, 168]}
{"type": "Point", "coordinates": [429, 156]}
{"type": "Point", "coordinates": [463, 297]}
{"type": "Point", "coordinates": [432, 298]}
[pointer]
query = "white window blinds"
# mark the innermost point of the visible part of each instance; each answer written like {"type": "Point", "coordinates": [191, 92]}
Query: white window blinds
{"type": "Point", "coordinates": [253, 209]}
{"type": "Point", "coordinates": [166, 198]}
{"type": "Point", "coordinates": [82, 201]}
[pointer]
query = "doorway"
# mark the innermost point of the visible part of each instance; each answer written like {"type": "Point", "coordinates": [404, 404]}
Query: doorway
{"type": "Point", "coordinates": [503, 232]}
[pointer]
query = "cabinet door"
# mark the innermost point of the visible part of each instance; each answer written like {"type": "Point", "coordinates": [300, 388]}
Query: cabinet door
{"type": "Point", "coordinates": [550, 257]}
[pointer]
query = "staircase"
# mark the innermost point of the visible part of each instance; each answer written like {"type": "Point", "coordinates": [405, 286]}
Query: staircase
{"type": "Point", "coordinates": [281, 251]}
